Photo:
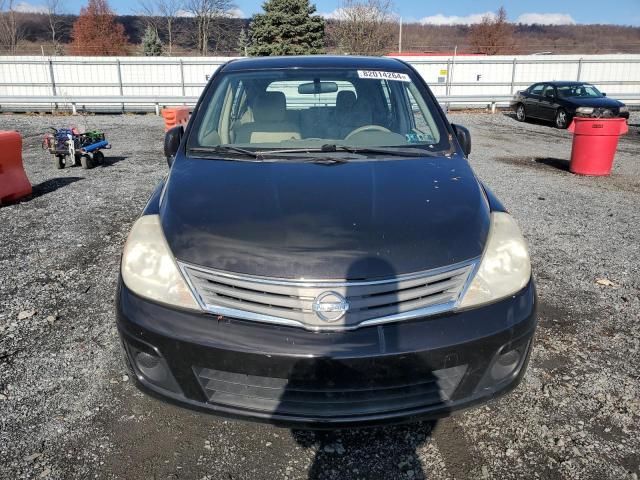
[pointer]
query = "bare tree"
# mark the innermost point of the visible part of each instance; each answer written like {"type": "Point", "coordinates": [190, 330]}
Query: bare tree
{"type": "Point", "coordinates": [493, 35]}
{"type": "Point", "coordinates": [149, 13]}
{"type": "Point", "coordinates": [207, 14]}
{"type": "Point", "coordinates": [10, 26]}
{"type": "Point", "coordinates": [162, 12]}
{"type": "Point", "coordinates": [365, 26]}
{"type": "Point", "coordinates": [54, 9]}
{"type": "Point", "coordinates": [170, 9]}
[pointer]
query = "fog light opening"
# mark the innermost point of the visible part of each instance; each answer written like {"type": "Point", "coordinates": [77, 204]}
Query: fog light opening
{"type": "Point", "coordinates": [151, 367]}
{"type": "Point", "coordinates": [505, 364]}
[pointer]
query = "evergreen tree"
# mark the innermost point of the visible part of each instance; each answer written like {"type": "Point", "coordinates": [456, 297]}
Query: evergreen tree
{"type": "Point", "coordinates": [151, 44]}
{"type": "Point", "coordinates": [243, 42]}
{"type": "Point", "coordinates": [287, 27]}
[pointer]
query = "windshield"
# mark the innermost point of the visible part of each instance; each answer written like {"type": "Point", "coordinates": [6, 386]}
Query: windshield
{"type": "Point", "coordinates": [581, 91]}
{"type": "Point", "coordinates": [305, 109]}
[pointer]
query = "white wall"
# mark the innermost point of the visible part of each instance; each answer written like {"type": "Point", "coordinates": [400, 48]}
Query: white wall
{"type": "Point", "coordinates": [612, 73]}
{"type": "Point", "coordinates": [164, 76]}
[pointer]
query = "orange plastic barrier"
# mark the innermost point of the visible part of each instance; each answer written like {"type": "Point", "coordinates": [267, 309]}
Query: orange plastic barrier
{"type": "Point", "coordinates": [174, 116]}
{"type": "Point", "coordinates": [14, 183]}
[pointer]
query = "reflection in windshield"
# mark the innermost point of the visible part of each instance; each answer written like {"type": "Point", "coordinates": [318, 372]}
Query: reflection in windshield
{"type": "Point", "coordinates": [581, 91]}
{"type": "Point", "coordinates": [305, 108]}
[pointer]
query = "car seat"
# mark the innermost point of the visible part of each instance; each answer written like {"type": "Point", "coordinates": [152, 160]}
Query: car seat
{"type": "Point", "coordinates": [350, 113]}
{"type": "Point", "coordinates": [270, 123]}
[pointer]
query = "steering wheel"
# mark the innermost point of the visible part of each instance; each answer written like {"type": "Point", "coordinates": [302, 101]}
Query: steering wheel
{"type": "Point", "coordinates": [365, 128]}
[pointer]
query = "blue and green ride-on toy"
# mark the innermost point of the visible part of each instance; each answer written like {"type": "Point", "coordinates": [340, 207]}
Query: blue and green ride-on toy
{"type": "Point", "coordinates": [69, 147]}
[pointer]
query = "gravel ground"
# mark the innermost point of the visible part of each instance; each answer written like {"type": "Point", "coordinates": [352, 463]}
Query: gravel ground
{"type": "Point", "coordinates": [68, 411]}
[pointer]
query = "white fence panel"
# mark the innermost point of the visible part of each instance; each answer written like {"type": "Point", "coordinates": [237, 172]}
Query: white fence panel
{"type": "Point", "coordinates": [479, 77]}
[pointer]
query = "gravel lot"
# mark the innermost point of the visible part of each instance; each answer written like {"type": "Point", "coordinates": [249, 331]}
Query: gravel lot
{"type": "Point", "coordinates": [68, 411]}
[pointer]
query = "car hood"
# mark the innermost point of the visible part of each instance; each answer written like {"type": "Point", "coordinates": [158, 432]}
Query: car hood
{"type": "Point", "coordinates": [355, 220]}
{"type": "Point", "coordinates": [603, 102]}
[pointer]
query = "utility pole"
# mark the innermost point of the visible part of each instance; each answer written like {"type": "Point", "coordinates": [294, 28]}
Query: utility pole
{"type": "Point", "coordinates": [400, 37]}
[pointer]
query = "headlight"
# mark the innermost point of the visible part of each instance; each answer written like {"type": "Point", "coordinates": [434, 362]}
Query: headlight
{"type": "Point", "coordinates": [623, 109]}
{"type": "Point", "coordinates": [505, 267]}
{"type": "Point", "coordinates": [148, 266]}
{"type": "Point", "coordinates": [584, 110]}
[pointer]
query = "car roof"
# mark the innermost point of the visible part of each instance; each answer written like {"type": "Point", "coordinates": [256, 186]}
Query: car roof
{"type": "Point", "coordinates": [564, 83]}
{"type": "Point", "coordinates": [316, 61]}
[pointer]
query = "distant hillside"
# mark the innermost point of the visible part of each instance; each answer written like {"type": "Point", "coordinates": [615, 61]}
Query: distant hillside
{"type": "Point", "coordinates": [35, 35]}
{"type": "Point", "coordinates": [587, 39]}
{"type": "Point", "coordinates": [584, 39]}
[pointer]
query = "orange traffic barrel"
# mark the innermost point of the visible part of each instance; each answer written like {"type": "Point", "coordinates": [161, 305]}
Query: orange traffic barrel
{"type": "Point", "coordinates": [14, 183]}
{"type": "Point", "coordinates": [595, 141]}
{"type": "Point", "coordinates": [174, 116]}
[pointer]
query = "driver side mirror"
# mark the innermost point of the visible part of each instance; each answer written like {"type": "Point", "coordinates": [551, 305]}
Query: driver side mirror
{"type": "Point", "coordinates": [464, 137]}
{"type": "Point", "coordinates": [172, 140]}
{"type": "Point", "coordinates": [603, 94]}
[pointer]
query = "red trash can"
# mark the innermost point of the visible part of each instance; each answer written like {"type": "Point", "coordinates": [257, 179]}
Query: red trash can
{"type": "Point", "coordinates": [595, 141]}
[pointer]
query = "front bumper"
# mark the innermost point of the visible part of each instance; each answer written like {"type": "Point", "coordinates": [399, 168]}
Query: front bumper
{"type": "Point", "coordinates": [607, 113]}
{"type": "Point", "coordinates": [406, 371]}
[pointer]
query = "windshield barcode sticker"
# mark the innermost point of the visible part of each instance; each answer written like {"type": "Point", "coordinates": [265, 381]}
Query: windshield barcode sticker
{"type": "Point", "coordinates": [379, 75]}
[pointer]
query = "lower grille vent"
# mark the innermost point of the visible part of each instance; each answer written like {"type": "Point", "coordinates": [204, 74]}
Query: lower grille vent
{"type": "Point", "coordinates": [296, 397]}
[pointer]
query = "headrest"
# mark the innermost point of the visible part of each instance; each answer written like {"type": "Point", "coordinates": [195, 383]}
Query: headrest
{"type": "Point", "coordinates": [345, 100]}
{"type": "Point", "coordinates": [270, 107]}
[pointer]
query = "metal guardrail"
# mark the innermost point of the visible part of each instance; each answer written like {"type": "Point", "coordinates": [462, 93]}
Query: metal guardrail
{"type": "Point", "coordinates": [73, 103]}
{"type": "Point", "coordinates": [202, 85]}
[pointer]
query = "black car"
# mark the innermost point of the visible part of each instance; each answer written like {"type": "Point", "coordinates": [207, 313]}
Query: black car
{"type": "Point", "coordinates": [322, 255]}
{"type": "Point", "coordinates": [559, 102]}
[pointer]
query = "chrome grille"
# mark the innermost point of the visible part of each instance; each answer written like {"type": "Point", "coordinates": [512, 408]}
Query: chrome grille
{"type": "Point", "coordinates": [291, 302]}
{"type": "Point", "coordinates": [602, 112]}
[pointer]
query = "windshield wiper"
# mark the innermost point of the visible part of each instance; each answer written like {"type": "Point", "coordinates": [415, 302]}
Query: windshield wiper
{"type": "Point", "coordinates": [332, 148]}
{"type": "Point", "coordinates": [225, 149]}
{"type": "Point", "coordinates": [259, 156]}
{"type": "Point", "coordinates": [328, 148]}
{"type": "Point", "coordinates": [395, 151]}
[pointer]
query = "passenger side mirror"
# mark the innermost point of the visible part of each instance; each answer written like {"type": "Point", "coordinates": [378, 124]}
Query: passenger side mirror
{"type": "Point", "coordinates": [464, 138]}
{"type": "Point", "coordinates": [172, 140]}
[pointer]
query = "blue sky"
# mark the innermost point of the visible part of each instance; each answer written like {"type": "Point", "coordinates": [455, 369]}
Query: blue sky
{"type": "Point", "coordinates": [623, 12]}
